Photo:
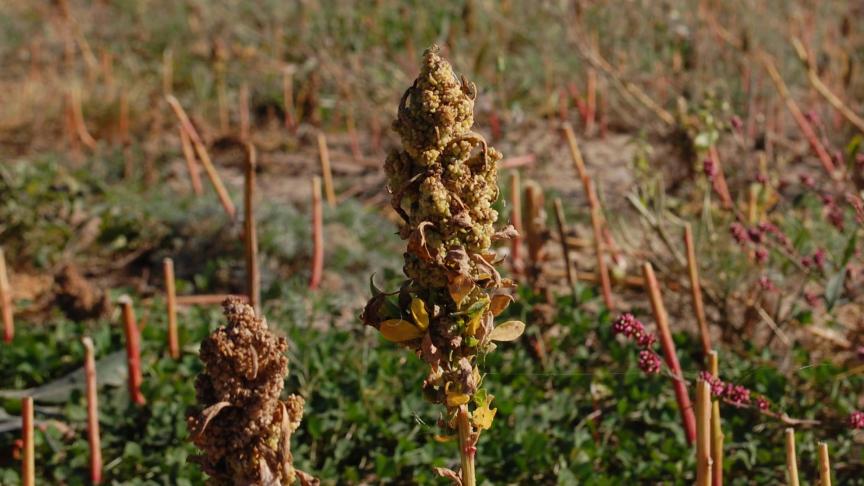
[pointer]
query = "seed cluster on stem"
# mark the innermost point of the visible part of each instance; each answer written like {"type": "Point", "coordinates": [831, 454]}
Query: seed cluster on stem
{"type": "Point", "coordinates": [240, 424]}
{"type": "Point", "coordinates": [443, 183]}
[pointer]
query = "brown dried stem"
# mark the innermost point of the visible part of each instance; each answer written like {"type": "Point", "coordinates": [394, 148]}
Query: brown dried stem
{"type": "Point", "coordinates": [823, 90]}
{"type": "Point", "coordinates": [171, 307]}
{"type": "Point", "coordinates": [317, 235]}
{"type": "Point", "coordinates": [208, 299]}
{"type": "Point", "coordinates": [201, 150]}
{"type": "Point", "coordinates": [824, 465]}
{"type": "Point", "coordinates": [717, 436]}
{"type": "Point", "coordinates": [28, 462]}
{"type": "Point", "coordinates": [565, 249]}
{"type": "Point", "coordinates": [191, 165]}
{"type": "Point", "coordinates": [696, 290]}
{"type": "Point", "coordinates": [597, 227]}
{"type": "Point", "coordinates": [791, 460]}
{"type": "Point", "coordinates": [326, 172]}
{"type": "Point", "coordinates": [91, 389]}
{"type": "Point", "coordinates": [253, 278]}
{"type": "Point", "coordinates": [703, 433]}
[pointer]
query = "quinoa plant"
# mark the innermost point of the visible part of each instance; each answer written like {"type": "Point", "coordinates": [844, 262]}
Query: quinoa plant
{"type": "Point", "coordinates": [443, 183]}
{"type": "Point", "coordinates": [241, 425]}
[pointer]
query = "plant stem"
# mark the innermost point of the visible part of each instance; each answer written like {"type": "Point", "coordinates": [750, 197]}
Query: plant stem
{"type": "Point", "coordinates": [253, 277]}
{"type": "Point", "coordinates": [92, 412]}
{"type": "Point", "coordinates": [670, 356]}
{"type": "Point", "coordinates": [28, 463]}
{"type": "Point", "coordinates": [317, 235]}
{"type": "Point", "coordinates": [466, 447]}
{"type": "Point", "coordinates": [791, 461]}
{"type": "Point", "coordinates": [6, 301]}
{"type": "Point", "coordinates": [171, 307]}
{"type": "Point", "coordinates": [133, 351]}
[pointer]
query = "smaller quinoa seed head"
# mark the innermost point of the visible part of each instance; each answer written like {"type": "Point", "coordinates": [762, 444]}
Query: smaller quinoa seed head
{"type": "Point", "coordinates": [240, 424]}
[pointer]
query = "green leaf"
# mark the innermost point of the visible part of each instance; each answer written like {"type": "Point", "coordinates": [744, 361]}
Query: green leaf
{"type": "Point", "coordinates": [834, 287]}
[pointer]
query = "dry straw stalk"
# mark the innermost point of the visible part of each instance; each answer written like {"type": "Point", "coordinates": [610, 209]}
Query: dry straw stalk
{"type": "Point", "coordinates": [791, 460]}
{"type": "Point", "coordinates": [91, 390]}
{"type": "Point", "coordinates": [171, 308]}
{"type": "Point", "coordinates": [28, 463]}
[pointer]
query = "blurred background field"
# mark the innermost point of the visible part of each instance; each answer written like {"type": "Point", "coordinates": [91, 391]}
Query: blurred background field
{"type": "Point", "coordinates": [95, 192]}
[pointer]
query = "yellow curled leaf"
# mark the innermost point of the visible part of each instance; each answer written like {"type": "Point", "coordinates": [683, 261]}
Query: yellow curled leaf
{"type": "Point", "coordinates": [459, 287]}
{"type": "Point", "coordinates": [474, 323]}
{"type": "Point", "coordinates": [508, 331]}
{"type": "Point", "coordinates": [397, 330]}
{"type": "Point", "coordinates": [499, 303]}
{"type": "Point", "coordinates": [456, 399]}
{"type": "Point", "coordinates": [420, 314]}
{"type": "Point", "coordinates": [483, 416]}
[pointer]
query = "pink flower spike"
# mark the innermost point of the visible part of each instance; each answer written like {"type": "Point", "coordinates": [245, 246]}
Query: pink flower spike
{"type": "Point", "coordinates": [649, 362]}
{"type": "Point", "coordinates": [856, 420]}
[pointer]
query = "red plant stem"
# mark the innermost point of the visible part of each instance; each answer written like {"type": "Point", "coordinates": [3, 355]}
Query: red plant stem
{"type": "Point", "coordinates": [696, 290]}
{"type": "Point", "coordinates": [805, 126]}
{"type": "Point", "coordinates": [495, 125]}
{"type": "Point", "coordinates": [28, 464]}
{"type": "Point", "coordinates": [253, 279]}
{"type": "Point", "coordinates": [718, 182]}
{"type": "Point", "coordinates": [92, 412]}
{"type": "Point", "coordinates": [6, 301]}
{"type": "Point", "coordinates": [133, 351]}
{"type": "Point", "coordinates": [317, 235]}
{"type": "Point", "coordinates": [669, 354]}
{"type": "Point", "coordinates": [516, 221]}
{"type": "Point", "coordinates": [171, 306]}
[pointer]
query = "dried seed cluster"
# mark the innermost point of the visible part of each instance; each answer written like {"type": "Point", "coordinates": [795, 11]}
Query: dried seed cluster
{"type": "Point", "coordinates": [241, 425]}
{"type": "Point", "coordinates": [443, 183]}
